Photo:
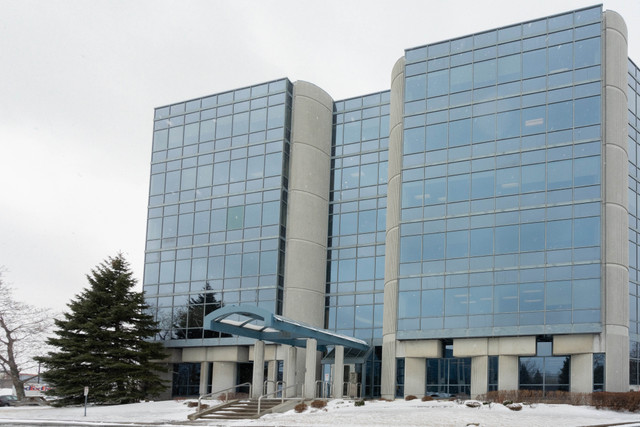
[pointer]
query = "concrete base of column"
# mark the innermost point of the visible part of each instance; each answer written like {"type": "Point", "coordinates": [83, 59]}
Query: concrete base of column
{"type": "Point", "coordinates": [415, 376]}
{"type": "Point", "coordinates": [224, 376]}
{"type": "Point", "coordinates": [508, 373]}
{"type": "Point", "coordinates": [338, 372]}
{"type": "Point", "coordinates": [582, 373]}
{"type": "Point", "coordinates": [310, 369]}
{"type": "Point", "coordinates": [205, 374]}
{"type": "Point", "coordinates": [479, 375]}
{"type": "Point", "coordinates": [290, 363]}
{"type": "Point", "coordinates": [258, 369]}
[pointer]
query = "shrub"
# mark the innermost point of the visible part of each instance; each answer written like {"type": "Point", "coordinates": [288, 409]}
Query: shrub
{"type": "Point", "coordinates": [514, 406]}
{"type": "Point", "coordinates": [410, 397]}
{"type": "Point", "coordinates": [318, 404]}
{"type": "Point", "coordinates": [626, 401]}
{"type": "Point", "coordinates": [473, 404]}
{"type": "Point", "coordinates": [426, 398]}
{"type": "Point", "coordinates": [300, 407]}
{"type": "Point", "coordinates": [358, 403]}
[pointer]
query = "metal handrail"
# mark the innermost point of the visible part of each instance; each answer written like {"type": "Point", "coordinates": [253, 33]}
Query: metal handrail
{"type": "Point", "coordinates": [226, 390]}
{"type": "Point", "coordinates": [358, 389]}
{"type": "Point", "coordinates": [325, 386]}
{"type": "Point", "coordinates": [282, 398]}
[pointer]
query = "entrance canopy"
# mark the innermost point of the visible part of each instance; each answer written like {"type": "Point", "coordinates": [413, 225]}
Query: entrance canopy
{"type": "Point", "coordinates": [261, 324]}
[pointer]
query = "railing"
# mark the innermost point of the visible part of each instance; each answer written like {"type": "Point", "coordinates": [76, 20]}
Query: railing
{"type": "Point", "coordinates": [226, 391]}
{"type": "Point", "coordinates": [348, 388]}
{"type": "Point", "coordinates": [275, 385]}
{"type": "Point", "coordinates": [282, 398]}
{"type": "Point", "coordinates": [324, 389]}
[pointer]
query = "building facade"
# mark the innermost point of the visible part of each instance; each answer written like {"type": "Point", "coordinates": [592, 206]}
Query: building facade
{"type": "Point", "coordinates": [469, 224]}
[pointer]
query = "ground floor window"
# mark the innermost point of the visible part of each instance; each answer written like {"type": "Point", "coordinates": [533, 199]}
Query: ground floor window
{"type": "Point", "coordinates": [400, 377]}
{"type": "Point", "coordinates": [186, 379]}
{"type": "Point", "coordinates": [598, 371]}
{"type": "Point", "coordinates": [545, 372]}
{"type": "Point", "coordinates": [492, 379]}
{"type": "Point", "coordinates": [449, 376]}
{"type": "Point", "coordinates": [634, 362]}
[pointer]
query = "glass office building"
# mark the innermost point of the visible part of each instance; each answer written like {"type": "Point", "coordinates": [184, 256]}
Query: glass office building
{"type": "Point", "coordinates": [468, 224]}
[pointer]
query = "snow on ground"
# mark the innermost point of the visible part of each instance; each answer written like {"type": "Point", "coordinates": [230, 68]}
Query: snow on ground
{"type": "Point", "coordinates": [337, 412]}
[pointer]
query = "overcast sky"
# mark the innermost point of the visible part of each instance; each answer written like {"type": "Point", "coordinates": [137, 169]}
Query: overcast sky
{"type": "Point", "coordinates": [79, 81]}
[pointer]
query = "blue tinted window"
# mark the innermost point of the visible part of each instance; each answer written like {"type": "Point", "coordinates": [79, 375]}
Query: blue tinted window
{"type": "Point", "coordinates": [416, 87]}
{"type": "Point", "coordinates": [587, 52]}
{"type": "Point", "coordinates": [484, 73]}
{"type": "Point", "coordinates": [534, 63]}
{"type": "Point", "coordinates": [457, 244]}
{"type": "Point", "coordinates": [559, 234]}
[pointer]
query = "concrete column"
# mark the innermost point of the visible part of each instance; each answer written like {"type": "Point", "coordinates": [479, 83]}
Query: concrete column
{"type": "Point", "coordinates": [272, 376]}
{"type": "Point", "coordinates": [338, 372]}
{"type": "Point", "coordinates": [258, 369]}
{"type": "Point", "coordinates": [392, 245]}
{"type": "Point", "coordinates": [582, 373]}
{"type": "Point", "coordinates": [290, 371]}
{"type": "Point", "coordinates": [508, 368]}
{"type": "Point", "coordinates": [310, 372]}
{"type": "Point", "coordinates": [415, 376]}
{"type": "Point", "coordinates": [224, 376]}
{"type": "Point", "coordinates": [615, 222]}
{"type": "Point", "coordinates": [308, 204]}
{"type": "Point", "coordinates": [479, 375]}
{"type": "Point", "coordinates": [205, 374]}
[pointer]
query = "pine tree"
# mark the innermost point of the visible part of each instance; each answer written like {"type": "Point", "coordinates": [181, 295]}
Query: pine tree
{"type": "Point", "coordinates": [102, 342]}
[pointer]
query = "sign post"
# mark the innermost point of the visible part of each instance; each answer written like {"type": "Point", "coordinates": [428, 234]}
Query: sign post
{"type": "Point", "coordinates": [86, 394]}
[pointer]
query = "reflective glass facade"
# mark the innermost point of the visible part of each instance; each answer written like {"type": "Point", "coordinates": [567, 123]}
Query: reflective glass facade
{"type": "Point", "coordinates": [501, 174]}
{"type": "Point", "coordinates": [357, 220]}
{"type": "Point", "coordinates": [471, 215]}
{"type": "Point", "coordinates": [217, 206]}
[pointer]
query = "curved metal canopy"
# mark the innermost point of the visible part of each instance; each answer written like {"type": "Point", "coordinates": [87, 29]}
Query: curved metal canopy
{"type": "Point", "coordinates": [263, 325]}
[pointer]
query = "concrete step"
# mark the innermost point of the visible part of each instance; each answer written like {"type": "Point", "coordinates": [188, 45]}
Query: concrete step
{"type": "Point", "coordinates": [244, 409]}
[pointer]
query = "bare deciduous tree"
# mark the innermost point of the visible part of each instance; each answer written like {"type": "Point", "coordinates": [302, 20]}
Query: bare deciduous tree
{"type": "Point", "coordinates": [23, 331]}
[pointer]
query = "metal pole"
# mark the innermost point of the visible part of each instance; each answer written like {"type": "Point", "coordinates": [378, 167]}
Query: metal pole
{"type": "Point", "coordinates": [85, 405]}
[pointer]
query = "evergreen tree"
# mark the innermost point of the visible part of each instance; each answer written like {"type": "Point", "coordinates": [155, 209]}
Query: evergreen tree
{"type": "Point", "coordinates": [102, 342]}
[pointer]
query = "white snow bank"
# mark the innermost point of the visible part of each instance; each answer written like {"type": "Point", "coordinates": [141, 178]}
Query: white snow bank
{"type": "Point", "coordinates": [340, 412]}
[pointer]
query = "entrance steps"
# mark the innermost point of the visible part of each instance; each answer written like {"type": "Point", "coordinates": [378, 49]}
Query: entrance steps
{"type": "Point", "coordinates": [243, 409]}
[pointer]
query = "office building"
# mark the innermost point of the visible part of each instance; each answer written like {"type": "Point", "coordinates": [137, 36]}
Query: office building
{"type": "Point", "coordinates": [472, 228]}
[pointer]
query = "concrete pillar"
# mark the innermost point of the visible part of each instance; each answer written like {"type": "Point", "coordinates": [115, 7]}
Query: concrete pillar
{"type": "Point", "coordinates": [205, 374]}
{"type": "Point", "coordinates": [290, 371]}
{"type": "Point", "coordinates": [338, 372]}
{"type": "Point", "coordinates": [308, 204]}
{"type": "Point", "coordinates": [310, 372]}
{"type": "Point", "coordinates": [224, 376]}
{"type": "Point", "coordinates": [615, 222]}
{"type": "Point", "coordinates": [392, 237]}
{"type": "Point", "coordinates": [582, 373]}
{"type": "Point", "coordinates": [258, 369]}
{"type": "Point", "coordinates": [508, 371]}
{"type": "Point", "coordinates": [272, 373]}
{"type": "Point", "coordinates": [415, 376]}
{"type": "Point", "coordinates": [479, 375]}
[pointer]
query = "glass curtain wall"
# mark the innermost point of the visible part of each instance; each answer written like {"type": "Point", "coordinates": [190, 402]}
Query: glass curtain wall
{"type": "Point", "coordinates": [501, 182]}
{"type": "Point", "coordinates": [217, 204]}
{"type": "Point", "coordinates": [357, 217]}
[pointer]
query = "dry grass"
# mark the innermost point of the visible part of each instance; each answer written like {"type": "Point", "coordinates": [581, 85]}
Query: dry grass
{"type": "Point", "coordinates": [319, 404]}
